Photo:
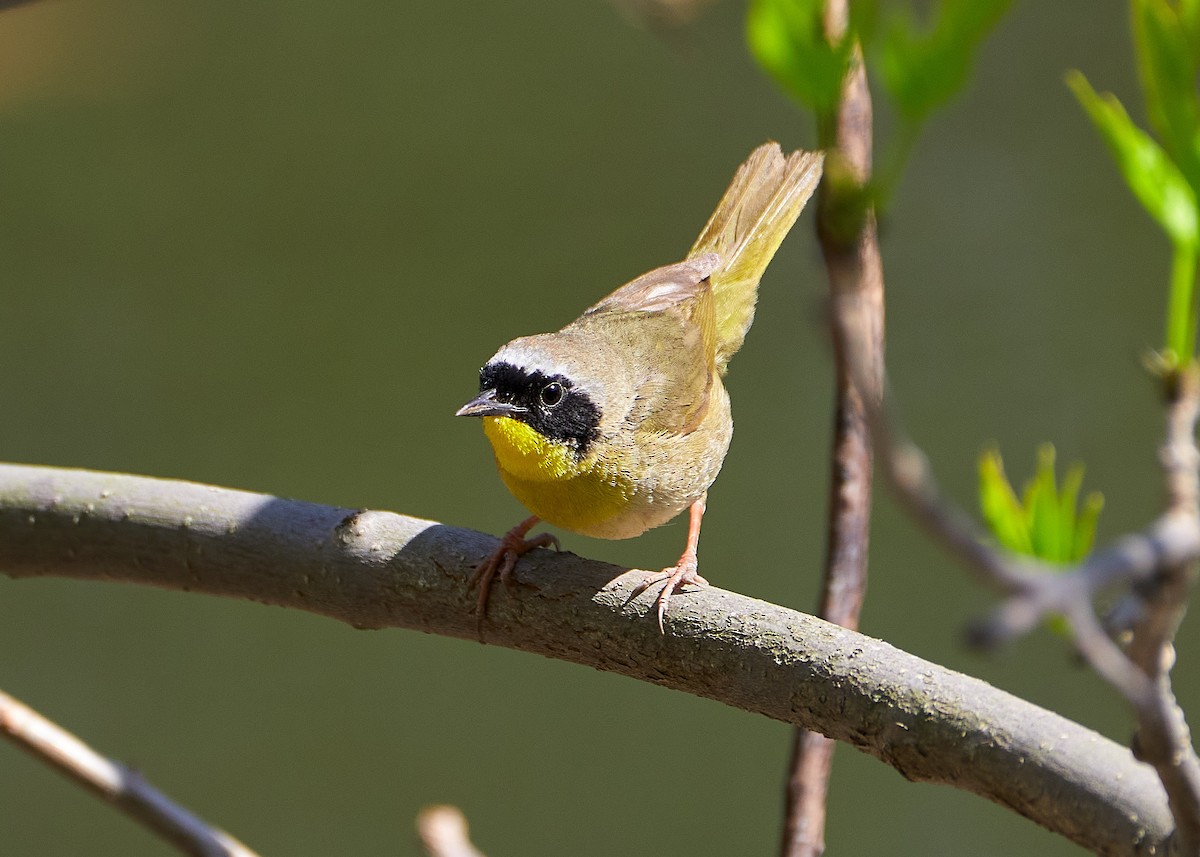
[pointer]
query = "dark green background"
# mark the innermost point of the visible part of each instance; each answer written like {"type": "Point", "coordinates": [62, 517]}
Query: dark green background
{"type": "Point", "coordinates": [268, 246]}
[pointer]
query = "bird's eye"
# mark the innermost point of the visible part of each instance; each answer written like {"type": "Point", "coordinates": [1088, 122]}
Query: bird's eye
{"type": "Point", "coordinates": [552, 394]}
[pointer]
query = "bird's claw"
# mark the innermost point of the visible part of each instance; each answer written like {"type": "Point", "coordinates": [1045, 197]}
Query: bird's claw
{"type": "Point", "coordinates": [678, 576]}
{"type": "Point", "coordinates": [501, 562]}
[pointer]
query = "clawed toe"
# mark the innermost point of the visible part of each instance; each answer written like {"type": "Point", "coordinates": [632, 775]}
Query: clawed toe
{"type": "Point", "coordinates": [501, 562]}
{"type": "Point", "coordinates": [647, 583]}
{"type": "Point", "coordinates": [543, 540]}
{"type": "Point", "coordinates": [673, 579]}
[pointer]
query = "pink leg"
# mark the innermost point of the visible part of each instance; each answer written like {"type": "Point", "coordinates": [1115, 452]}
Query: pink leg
{"type": "Point", "coordinates": [502, 561]}
{"type": "Point", "coordinates": [684, 571]}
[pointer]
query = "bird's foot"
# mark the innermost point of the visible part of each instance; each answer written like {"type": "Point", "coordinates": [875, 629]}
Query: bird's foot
{"type": "Point", "coordinates": [678, 576]}
{"type": "Point", "coordinates": [501, 562]}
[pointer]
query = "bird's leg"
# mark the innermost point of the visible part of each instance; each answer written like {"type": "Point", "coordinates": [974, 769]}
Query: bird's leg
{"type": "Point", "coordinates": [684, 571]}
{"type": "Point", "coordinates": [502, 561]}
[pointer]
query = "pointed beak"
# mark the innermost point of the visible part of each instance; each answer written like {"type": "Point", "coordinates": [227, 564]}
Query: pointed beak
{"type": "Point", "coordinates": [486, 405]}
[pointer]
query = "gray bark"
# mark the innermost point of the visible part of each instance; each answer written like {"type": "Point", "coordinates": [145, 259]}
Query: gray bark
{"type": "Point", "coordinates": [380, 570]}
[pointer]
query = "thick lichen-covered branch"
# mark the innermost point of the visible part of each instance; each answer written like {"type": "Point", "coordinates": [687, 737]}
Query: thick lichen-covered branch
{"type": "Point", "coordinates": [381, 570]}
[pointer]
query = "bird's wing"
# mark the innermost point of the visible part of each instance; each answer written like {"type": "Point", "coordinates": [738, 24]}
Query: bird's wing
{"type": "Point", "coordinates": [663, 323]}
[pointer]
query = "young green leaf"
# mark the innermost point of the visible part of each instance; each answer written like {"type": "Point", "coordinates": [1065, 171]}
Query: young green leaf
{"type": "Point", "coordinates": [1189, 20]}
{"type": "Point", "coordinates": [1041, 506]}
{"type": "Point", "coordinates": [923, 70]}
{"type": "Point", "coordinates": [1002, 511]}
{"type": "Point", "coordinates": [1068, 503]}
{"type": "Point", "coordinates": [1167, 70]}
{"type": "Point", "coordinates": [1046, 523]}
{"type": "Point", "coordinates": [1154, 179]}
{"type": "Point", "coordinates": [1085, 528]}
{"type": "Point", "coordinates": [787, 37]}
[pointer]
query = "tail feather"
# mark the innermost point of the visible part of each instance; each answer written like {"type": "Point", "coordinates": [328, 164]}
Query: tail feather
{"type": "Point", "coordinates": [763, 201]}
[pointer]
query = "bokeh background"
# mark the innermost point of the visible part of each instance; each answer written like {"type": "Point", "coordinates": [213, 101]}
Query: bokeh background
{"type": "Point", "coordinates": [268, 246]}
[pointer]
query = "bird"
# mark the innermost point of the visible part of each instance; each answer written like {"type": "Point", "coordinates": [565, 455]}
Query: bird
{"type": "Point", "coordinates": [620, 421]}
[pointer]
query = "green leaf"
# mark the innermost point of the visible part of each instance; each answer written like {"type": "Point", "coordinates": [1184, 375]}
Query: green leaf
{"type": "Point", "coordinates": [923, 70]}
{"type": "Point", "coordinates": [1189, 19]}
{"type": "Point", "coordinates": [1001, 509]}
{"type": "Point", "coordinates": [1068, 502]}
{"type": "Point", "coordinates": [1046, 523]}
{"type": "Point", "coordinates": [1154, 179]}
{"type": "Point", "coordinates": [787, 38]}
{"type": "Point", "coordinates": [1041, 507]}
{"type": "Point", "coordinates": [1166, 55]}
{"type": "Point", "coordinates": [1085, 528]}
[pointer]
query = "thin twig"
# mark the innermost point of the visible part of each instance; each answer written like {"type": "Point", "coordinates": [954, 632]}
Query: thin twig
{"type": "Point", "coordinates": [121, 786]}
{"type": "Point", "coordinates": [854, 267]}
{"type": "Point", "coordinates": [1165, 598]}
{"type": "Point", "coordinates": [1156, 567]}
{"type": "Point", "coordinates": [444, 832]}
{"type": "Point", "coordinates": [1162, 738]}
{"type": "Point", "coordinates": [1171, 539]}
{"type": "Point", "coordinates": [376, 570]}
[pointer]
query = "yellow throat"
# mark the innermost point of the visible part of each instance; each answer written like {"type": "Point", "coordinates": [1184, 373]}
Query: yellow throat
{"type": "Point", "coordinates": [528, 455]}
{"type": "Point", "coordinates": [552, 482]}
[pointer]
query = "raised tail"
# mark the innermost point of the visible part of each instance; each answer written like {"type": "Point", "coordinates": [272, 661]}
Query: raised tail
{"type": "Point", "coordinates": [763, 201]}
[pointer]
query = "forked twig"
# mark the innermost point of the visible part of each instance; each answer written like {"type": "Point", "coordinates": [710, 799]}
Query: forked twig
{"type": "Point", "coordinates": [1154, 568]}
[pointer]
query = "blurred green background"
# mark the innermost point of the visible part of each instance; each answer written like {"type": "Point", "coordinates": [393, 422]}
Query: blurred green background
{"type": "Point", "coordinates": [268, 246]}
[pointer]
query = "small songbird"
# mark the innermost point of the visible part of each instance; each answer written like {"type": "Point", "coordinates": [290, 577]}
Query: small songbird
{"type": "Point", "coordinates": [620, 421]}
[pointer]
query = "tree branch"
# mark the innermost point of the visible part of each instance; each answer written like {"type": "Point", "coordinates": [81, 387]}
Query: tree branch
{"type": "Point", "coordinates": [1163, 738]}
{"type": "Point", "coordinates": [378, 570]}
{"type": "Point", "coordinates": [121, 786]}
{"type": "Point", "coordinates": [1157, 568]}
{"type": "Point", "coordinates": [854, 267]}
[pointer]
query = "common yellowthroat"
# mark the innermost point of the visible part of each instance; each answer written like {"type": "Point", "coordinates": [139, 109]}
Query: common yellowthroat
{"type": "Point", "coordinates": [620, 421]}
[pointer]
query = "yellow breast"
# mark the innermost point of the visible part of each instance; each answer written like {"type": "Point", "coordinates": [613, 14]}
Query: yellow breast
{"type": "Point", "coordinates": [549, 479]}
